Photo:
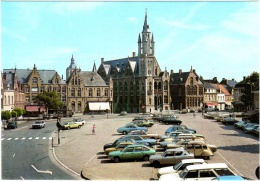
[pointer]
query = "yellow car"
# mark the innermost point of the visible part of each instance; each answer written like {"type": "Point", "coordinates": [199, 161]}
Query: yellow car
{"type": "Point", "coordinates": [119, 147]}
{"type": "Point", "coordinates": [70, 125]}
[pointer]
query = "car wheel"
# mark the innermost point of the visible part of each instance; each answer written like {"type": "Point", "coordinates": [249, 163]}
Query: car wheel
{"type": "Point", "coordinates": [68, 127]}
{"type": "Point", "coordinates": [146, 158]}
{"type": "Point", "coordinates": [79, 127]}
{"type": "Point", "coordinates": [124, 132]}
{"type": "Point", "coordinates": [206, 157]}
{"type": "Point", "coordinates": [116, 159]}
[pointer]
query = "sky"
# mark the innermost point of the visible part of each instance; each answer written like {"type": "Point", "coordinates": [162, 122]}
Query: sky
{"type": "Point", "coordinates": [217, 39]}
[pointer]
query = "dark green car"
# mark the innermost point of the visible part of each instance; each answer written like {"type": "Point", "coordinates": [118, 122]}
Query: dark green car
{"type": "Point", "coordinates": [132, 152]}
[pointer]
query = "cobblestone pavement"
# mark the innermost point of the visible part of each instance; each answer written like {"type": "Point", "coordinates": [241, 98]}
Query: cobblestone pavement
{"type": "Point", "coordinates": [82, 153]}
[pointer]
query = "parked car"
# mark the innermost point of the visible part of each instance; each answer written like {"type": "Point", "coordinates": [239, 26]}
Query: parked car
{"type": "Point", "coordinates": [142, 123]}
{"type": "Point", "coordinates": [123, 113]}
{"type": "Point", "coordinates": [132, 152]}
{"type": "Point", "coordinates": [80, 121]}
{"type": "Point", "coordinates": [170, 157]}
{"type": "Point", "coordinates": [144, 134]}
{"type": "Point", "coordinates": [116, 142]}
{"type": "Point", "coordinates": [200, 172]}
{"type": "Point", "coordinates": [138, 139]}
{"type": "Point", "coordinates": [119, 147]}
{"type": "Point", "coordinates": [229, 120]}
{"type": "Point", "coordinates": [70, 125]}
{"type": "Point", "coordinates": [256, 130]}
{"type": "Point", "coordinates": [38, 124]}
{"type": "Point", "coordinates": [246, 125]}
{"type": "Point", "coordinates": [171, 120]}
{"type": "Point", "coordinates": [173, 134]}
{"type": "Point", "coordinates": [199, 149]}
{"type": "Point", "coordinates": [186, 135]}
{"type": "Point", "coordinates": [179, 127]}
{"type": "Point", "coordinates": [11, 125]}
{"type": "Point", "coordinates": [176, 143]}
{"type": "Point", "coordinates": [249, 128]}
{"type": "Point", "coordinates": [239, 124]}
{"type": "Point", "coordinates": [130, 127]}
{"type": "Point", "coordinates": [180, 166]}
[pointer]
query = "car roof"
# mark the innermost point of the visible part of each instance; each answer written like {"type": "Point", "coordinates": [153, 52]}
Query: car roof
{"type": "Point", "coordinates": [207, 166]}
{"type": "Point", "coordinates": [193, 160]}
{"type": "Point", "coordinates": [197, 142]}
{"type": "Point", "coordinates": [176, 149]}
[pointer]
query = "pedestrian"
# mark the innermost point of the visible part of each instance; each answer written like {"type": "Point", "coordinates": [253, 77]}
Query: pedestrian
{"type": "Point", "coordinates": [194, 115]}
{"type": "Point", "coordinates": [94, 129]}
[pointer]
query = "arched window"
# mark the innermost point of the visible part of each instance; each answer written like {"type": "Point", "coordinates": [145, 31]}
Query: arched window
{"type": "Point", "coordinates": [34, 80]}
{"type": "Point", "coordinates": [150, 86]}
{"type": "Point", "coordinates": [79, 92]}
{"type": "Point", "coordinates": [166, 85]}
{"type": "Point", "coordinates": [79, 106]}
{"type": "Point", "coordinates": [73, 106]}
{"type": "Point", "coordinates": [72, 92]}
{"type": "Point", "coordinates": [106, 92]}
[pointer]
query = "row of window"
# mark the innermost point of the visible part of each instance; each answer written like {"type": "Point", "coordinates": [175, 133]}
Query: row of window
{"type": "Point", "coordinates": [42, 89]}
{"type": "Point", "coordinates": [8, 100]}
{"type": "Point", "coordinates": [90, 92]}
{"type": "Point", "coordinates": [35, 80]}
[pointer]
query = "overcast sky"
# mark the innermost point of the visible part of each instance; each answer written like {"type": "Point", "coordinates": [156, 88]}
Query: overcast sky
{"type": "Point", "coordinates": [218, 39]}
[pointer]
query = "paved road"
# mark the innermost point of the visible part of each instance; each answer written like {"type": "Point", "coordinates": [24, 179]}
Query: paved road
{"type": "Point", "coordinates": [25, 154]}
{"type": "Point", "coordinates": [82, 152]}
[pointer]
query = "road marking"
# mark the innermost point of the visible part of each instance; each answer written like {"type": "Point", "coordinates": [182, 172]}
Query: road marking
{"type": "Point", "coordinates": [30, 138]}
{"type": "Point", "coordinates": [50, 138]}
{"type": "Point", "coordinates": [41, 171]}
{"type": "Point", "coordinates": [37, 138]}
{"type": "Point", "coordinates": [44, 138]}
{"type": "Point", "coordinates": [23, 138]}
{"type": "Point", "coordinates": [22, 178]}
{"type": "Point", "coordinates": [14, 155]}
{"type": "Point", "coordinates": [16, 138]}
{"type": "Point", "coordinates": [9, 139]}
{"type": "Point", "coordinates": [2, 139]}
{"type": "Point", "coordinates": [230, 164]}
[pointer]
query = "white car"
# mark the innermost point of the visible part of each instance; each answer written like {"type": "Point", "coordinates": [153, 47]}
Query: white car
{"type": "Point", "coordinates": [80, 121]}
{"type": "Point", "coordinates": [199, 172]}
{"type": "Point", "coordinates": [38, 124]}
{"type": "Point", "coordinates": [179, 166]}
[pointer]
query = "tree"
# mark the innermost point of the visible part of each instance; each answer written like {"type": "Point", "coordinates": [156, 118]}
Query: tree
{"type": "Point", "coordinates": [5, 115]}
{"type": "Point", "coordinates": [49, 100]}
{"type": "Point", "coordinates": [19, 111]}
{"type": "Point", "coordinates": [253, 80]}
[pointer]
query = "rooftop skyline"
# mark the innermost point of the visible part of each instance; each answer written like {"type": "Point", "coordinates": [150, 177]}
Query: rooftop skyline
{"type": "Point", "coordinates": [217, 39]}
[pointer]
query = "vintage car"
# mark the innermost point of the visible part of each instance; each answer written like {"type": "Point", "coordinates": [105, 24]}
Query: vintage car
{"type": "Point", "coordinates": [132, 152]}
{"type": "Point", "coordinates": [186, 135]}
{"type": "Point", "coordinates": [239, 124]}
{"type": "Point", "coordinates": [142, 123]}
{"type": "Point", "coordinates": [80, 121]}
{"type": "Point", "coordinates": [123, 113]}
{"type": "Point", "coordinates": [250, 128]}
{"type": "Point", "coordinates": [170, 157]}
{"type": "Point", "coordinates": [199, 149]}
{"type": "Point", "coordinates": [130, 127]}
{"type": "Point", "coordinates": [11, 125]}
{"type": "Point", "coordinates": [179, 166]}
{"type": "Point", "coordinates": [173, 134]}
{"type": "Point", "coordinates": [256, 130]}
{"type": "Point", "coordinates": [138, 139]}
{"type": "Point", "coordinates": [144, 134]}
{"type": "Point", "coordinates": [176, 143]}
{"type": "Point", "coordinates": [119, 147]}
{"type": "Point", "coordinates": [229, 120]}
{"type": "Point", "coordinates": [179, 127]}
{"type": "Point", "coordinates": [199, 172]}
{"type": "Point", "coordinates": [116, 142]}
{"type": "Point", "coordinates": [38, 124]}
{"type": "Point", "coordinates": [70, 125]}
{"type": "Point", "coordinates": [171, 120]}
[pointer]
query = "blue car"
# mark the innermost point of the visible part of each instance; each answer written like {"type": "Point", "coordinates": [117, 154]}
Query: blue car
{"type": "Point", "coordinates": [130, 127]}
{"type": "Point", "coordinates": [140, 140]}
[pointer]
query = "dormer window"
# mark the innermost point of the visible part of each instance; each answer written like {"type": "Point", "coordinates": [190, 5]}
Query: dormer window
{"type": "Point", "coordinates": [34, 80]}
{"type": "Point", "coordinates": [92, 79]}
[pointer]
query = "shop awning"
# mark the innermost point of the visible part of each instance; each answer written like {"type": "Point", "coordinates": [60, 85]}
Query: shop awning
{"type": "Point", "coordinates": [99, 106]}
{"type": "Point", "coordinates": [211, 104]}
{"type": "Point", "coordinates": [34, 109]}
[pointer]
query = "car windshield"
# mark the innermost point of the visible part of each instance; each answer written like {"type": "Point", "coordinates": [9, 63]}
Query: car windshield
{"type": "Point", "coordinates": [183, 173]}
{"type": "Point", "coordinates": [177, 166]}
{"type": "Point", "coordinates": [38, 122]}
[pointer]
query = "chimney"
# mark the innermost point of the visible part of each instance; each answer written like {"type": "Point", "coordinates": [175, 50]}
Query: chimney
{"type": "Point", "coordinates": [62, 76]}
{"type": "Point", "coordinates": [244, 77]}
{"type": "Point", "coordinates": [233, 79]}
{"type": "Point", "coordinates": [194, 71]}
{"type": "Point", "coordinates": [102, 60]}
{"type": "Point", "coordinates": [172, 72]}
{"type": "Point", "coordinates": [133, 54]}
{"type": "Point", "coordinates": [180, 71]}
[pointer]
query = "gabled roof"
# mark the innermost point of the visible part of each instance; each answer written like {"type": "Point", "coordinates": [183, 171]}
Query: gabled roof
{"type": "Point", "coordinates": [175, 78]}
{"type": "Point", "coordinates": [223, 89]}
{"type": "Point", "coordinates": [208, 85]}
{"type": "Point", "coordinates": [90, 78]}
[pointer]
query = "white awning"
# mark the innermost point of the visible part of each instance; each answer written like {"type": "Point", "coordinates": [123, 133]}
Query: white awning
{"type": "Point", "coordinates": [98, 106]}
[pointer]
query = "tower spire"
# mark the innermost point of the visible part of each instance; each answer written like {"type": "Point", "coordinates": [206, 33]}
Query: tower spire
{"type": "Point", "coordinates": [146, 26]}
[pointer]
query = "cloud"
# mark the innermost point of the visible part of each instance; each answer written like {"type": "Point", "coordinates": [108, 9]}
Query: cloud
{"type": "Point", "coordinates": [72, 7]}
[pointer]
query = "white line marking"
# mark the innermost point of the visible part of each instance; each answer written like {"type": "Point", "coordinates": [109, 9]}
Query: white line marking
{"type": "Point", "coordinates": [50, 138]}
{"type": "Point", "coordinates": [23, 138]}
{"type": "Point", "coordinates": [22, 178]}
{"type": "Point", "coordinates": [42, 171]}
{"type": "Point", "coordinates": [30, 138]}
{"type": "Point", "coordinates": [230, 164]}
{"type": "Point", "coordinates": [44, 138]}
{"type": "Point", "coordinates": [2, 139]}
{"type": "Point", "coordinates": [14, 155]}
{"type": "Point", "coordinates": [37, 138]}
{"type": "Point", "coordinates": [9, 139]}
{"type": "Point", "coordinates": [16, 138]}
